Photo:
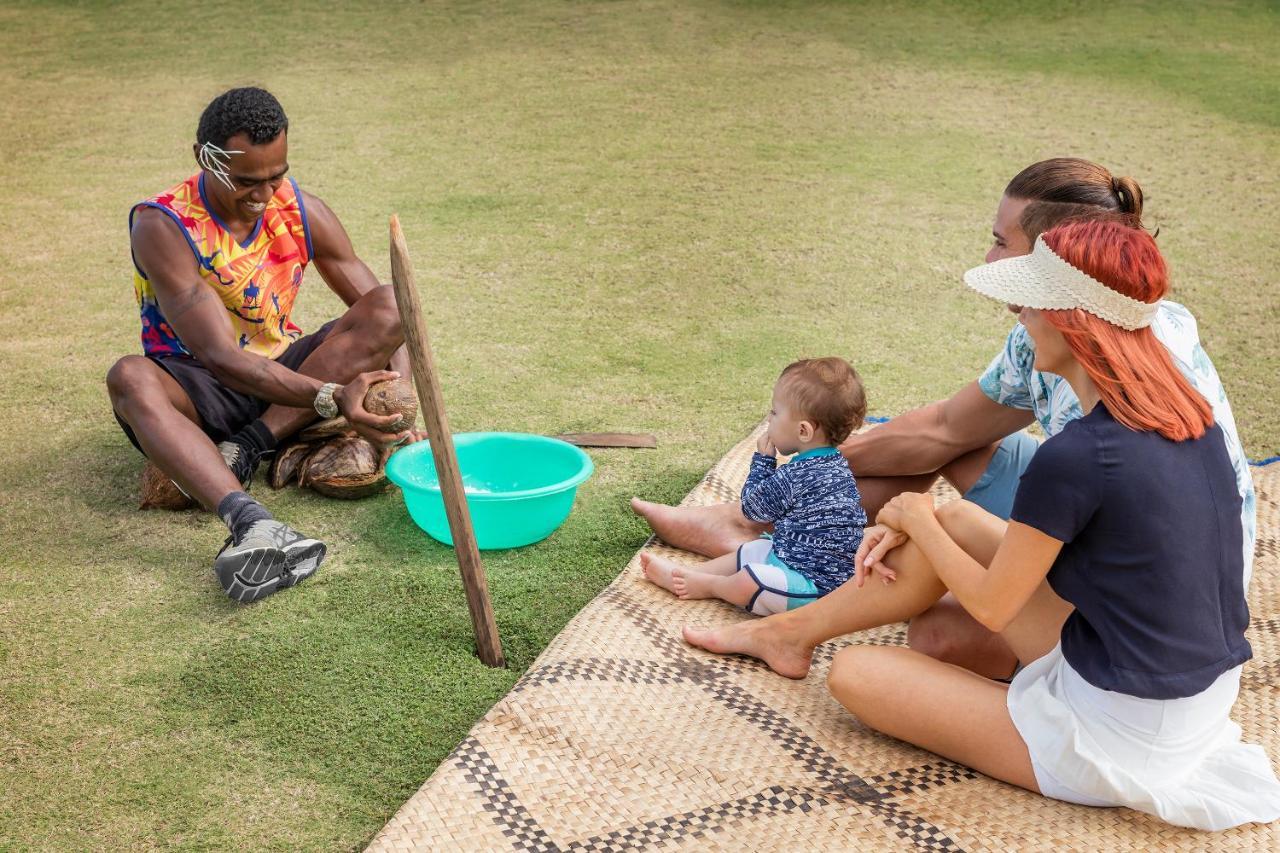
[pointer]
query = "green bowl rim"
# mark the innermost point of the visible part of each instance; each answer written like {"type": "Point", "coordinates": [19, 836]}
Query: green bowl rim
{"type": "Point", "coordinates": [586, 470]}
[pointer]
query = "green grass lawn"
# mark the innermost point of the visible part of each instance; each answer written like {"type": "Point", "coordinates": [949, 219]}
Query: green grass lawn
{"type": "Point", "coordinates": [624, 216]}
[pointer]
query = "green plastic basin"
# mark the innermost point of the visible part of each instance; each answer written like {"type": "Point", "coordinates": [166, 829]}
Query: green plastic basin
{"type": "Point", "coordinates": [519, 487]}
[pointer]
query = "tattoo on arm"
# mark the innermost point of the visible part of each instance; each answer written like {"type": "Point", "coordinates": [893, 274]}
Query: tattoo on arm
{"type": "Point", "coordinates": [189, 299]}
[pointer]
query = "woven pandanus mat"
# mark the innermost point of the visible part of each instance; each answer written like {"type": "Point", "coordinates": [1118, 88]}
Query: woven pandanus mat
{"type": "Point", "coordinates": [621, 737]}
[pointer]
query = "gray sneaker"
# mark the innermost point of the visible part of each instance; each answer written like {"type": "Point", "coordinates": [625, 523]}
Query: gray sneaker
{"type": "Point", "coordinates": [242, 462]}
{"type": "Point", "coordinates": [270, 556]}
{"type": "Point", "coordinates": [303, 555]}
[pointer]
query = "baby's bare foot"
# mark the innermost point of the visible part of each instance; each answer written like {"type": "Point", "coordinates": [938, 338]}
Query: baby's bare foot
{"type": "Point", "coordinates": [658, 570]}
{"type": "Point", "coordinates": [690, 584]}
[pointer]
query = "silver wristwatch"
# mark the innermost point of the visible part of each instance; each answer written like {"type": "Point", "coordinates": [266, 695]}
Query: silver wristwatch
{"type": "Point", "coordinates": [325, 406]}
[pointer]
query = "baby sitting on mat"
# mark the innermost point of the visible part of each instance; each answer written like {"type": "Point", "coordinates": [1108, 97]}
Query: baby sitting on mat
{"type": "Point", "coordinates": [812, 501]}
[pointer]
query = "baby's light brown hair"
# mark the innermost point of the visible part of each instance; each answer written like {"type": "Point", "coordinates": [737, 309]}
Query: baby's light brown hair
{"type": "Point", "coordinates": [827, 391]}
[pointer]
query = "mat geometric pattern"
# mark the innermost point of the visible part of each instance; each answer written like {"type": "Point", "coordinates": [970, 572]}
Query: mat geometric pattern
{"type": "Point", "coordinates": [621, 737]}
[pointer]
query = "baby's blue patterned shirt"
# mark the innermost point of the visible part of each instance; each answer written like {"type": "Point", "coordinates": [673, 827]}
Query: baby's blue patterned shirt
{"type": "Point", "coordinates": [816, 511]}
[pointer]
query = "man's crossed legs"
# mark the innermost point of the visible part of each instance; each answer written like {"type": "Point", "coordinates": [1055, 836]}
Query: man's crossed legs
{"type": "Point", "coordinates": [176, 413]}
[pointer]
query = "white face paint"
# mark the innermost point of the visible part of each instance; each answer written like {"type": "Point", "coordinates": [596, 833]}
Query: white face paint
{"type": "Point", "coordinates": [215, 160]}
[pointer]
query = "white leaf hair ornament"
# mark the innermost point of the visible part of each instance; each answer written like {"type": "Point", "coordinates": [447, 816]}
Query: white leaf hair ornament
{"type": "Point", "coordinates": [215, 160]}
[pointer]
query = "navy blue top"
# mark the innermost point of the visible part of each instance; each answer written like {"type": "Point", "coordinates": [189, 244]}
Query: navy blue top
{"type": "Point", "coordinates": [1153, 554]}
{"type": "Point", "coordinates": [816, 512]}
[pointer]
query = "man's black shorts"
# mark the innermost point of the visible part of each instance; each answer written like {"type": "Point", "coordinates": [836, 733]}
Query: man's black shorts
{"type": "Point", "coordinates": [224, 412]}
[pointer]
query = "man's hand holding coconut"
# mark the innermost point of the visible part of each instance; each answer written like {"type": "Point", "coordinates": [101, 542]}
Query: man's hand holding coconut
{"type": "Point", "coordinates": [226, 376]}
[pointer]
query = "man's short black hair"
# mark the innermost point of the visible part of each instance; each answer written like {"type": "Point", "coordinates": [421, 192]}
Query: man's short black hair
{"type": "Point", "coordinates": [249, 110]}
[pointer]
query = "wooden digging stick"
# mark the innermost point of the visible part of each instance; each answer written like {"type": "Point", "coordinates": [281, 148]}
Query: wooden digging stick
{"type": "Point", "coordinates": [446, 459]}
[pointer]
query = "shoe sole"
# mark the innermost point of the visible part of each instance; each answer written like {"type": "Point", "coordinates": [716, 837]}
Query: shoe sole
{"type": "Point", "coordinates": [252, 574]}
{"type": "Point", "coordinates": [302, 558]}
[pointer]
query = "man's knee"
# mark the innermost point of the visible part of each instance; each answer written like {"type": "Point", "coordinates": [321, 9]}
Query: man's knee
{"type": "Point", "coordinates": [129, 379]}
{"type": "Point", "coordinates": [947, 632]}
{"type": "Point", "coordinates": [933, 633]}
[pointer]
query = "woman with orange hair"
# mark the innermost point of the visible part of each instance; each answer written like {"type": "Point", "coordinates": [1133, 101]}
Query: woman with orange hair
{"type": "Point", "coordinates": [975, 439]}
{"type": "Point", "coordinates": [1118, 580]}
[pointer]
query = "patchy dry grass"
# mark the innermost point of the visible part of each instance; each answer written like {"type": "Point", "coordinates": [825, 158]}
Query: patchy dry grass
{"type": "Point", "coordinates": [625, 216]}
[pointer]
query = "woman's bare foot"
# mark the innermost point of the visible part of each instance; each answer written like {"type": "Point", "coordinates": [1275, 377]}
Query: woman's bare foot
{"type": "Point", "coordinates": [757, 638]}
{"type": "Point", "coordinates": [658, 570]}
{"type": "Point", "coordinates": [706, 530]}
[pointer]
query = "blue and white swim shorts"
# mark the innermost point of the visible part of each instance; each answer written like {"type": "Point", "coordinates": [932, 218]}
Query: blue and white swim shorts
{"type": "Point", "coordinates": [779, 587]}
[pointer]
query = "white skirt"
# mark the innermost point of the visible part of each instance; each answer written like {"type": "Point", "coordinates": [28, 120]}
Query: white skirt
{"type": "Point", "coordinates": [1178, 759]}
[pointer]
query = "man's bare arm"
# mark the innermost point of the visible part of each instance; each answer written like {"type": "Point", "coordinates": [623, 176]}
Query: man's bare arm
{"type": "Point", "coordinates": [200, 319]}
{"type": "Point", "coordinates": [334, 256]}
{"type": "Point", "coordinates": [925, 439]}
{"type": "Point", "coordinates": [339, 266]}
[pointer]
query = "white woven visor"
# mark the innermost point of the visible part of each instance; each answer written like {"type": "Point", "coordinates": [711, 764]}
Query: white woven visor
{"type": "Point", "coordinates": [1044, 280]}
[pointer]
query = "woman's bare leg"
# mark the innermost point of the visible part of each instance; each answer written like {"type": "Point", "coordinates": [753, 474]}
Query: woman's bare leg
{"type": "Point", "coordinates": [1034, 632]}
{"type": "Point", "coordinates": [946, 631]}
{"type": "Point", "coordinates": [786, 641]}
{"type": "Point", "coordinates": [945, 708]}
{"type": "Point", "coordinates": [942, 708]}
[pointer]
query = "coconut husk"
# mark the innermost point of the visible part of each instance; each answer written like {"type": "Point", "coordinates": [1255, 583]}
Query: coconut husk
{"type": "Point", "coordinates": [393, 397]}
{"type": "Point", "coordinates": [160, 492]}
{"type": "Point", "coordinates": [288, 462]}
{"type": "Point", "coordinates": [345, 467]}
{"type": "Point", "coordinates": [325, 429]}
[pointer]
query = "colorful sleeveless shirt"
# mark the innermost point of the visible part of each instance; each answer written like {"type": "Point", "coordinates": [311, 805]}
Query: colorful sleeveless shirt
{"type": "Point", "coordinates": [257, 280]}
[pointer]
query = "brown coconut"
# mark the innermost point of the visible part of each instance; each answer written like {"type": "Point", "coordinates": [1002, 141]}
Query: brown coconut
{"type": "Point", "coordinates": [325, 429]}
{"type": "Point", "coordinates": [159, 492]}
{"type": "Point", "coordinates": [393, 397]}
{"type": "Point", "coordinates": [345, 467]}
{"type": "Point", "coordinates": [288, 462]}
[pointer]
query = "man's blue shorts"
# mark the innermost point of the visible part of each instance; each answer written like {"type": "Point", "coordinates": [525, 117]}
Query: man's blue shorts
{"type": "Point", "coordinates": [996, 487]}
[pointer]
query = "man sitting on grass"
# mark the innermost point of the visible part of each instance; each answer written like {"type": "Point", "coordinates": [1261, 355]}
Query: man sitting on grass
{"type": "Point", "coordinates": [225, 374]}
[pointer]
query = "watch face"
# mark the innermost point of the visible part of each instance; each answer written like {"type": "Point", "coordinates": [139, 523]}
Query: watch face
{"type": "Point", "coordinates": [325, 405]}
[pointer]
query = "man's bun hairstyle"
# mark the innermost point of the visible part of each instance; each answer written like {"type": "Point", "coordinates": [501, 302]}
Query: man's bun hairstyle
{"type": "Point", "coordinates": [1070, 180]}
{"type": "Point", "coordinates": [827, 391]}
{"type": "Point", "coordinates": [1040, 216]}
{"type": "Point", "coordinates": [249, 110]}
